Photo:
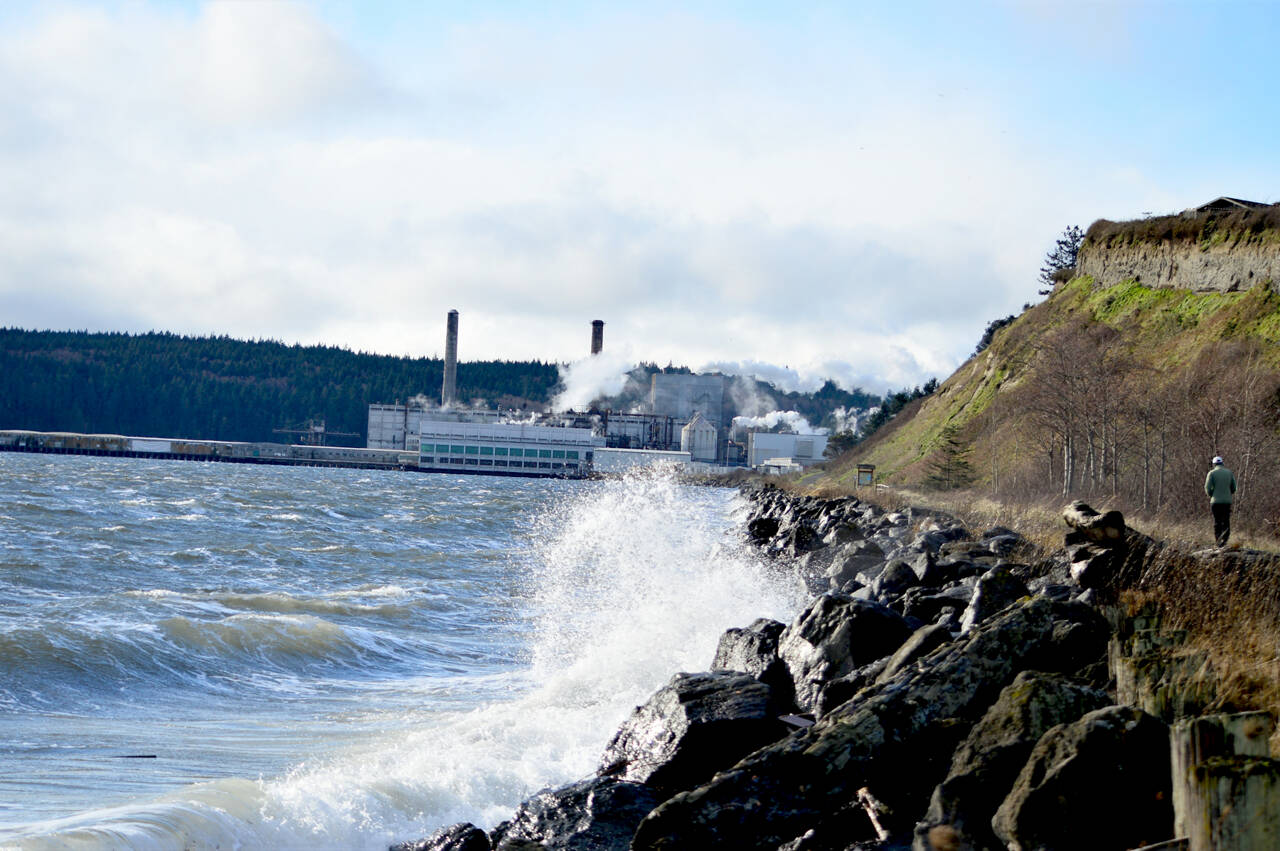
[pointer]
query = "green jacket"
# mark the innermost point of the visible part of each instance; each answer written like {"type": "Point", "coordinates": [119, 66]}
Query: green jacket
{"type": "Point", "coordinates": [1220, 484]}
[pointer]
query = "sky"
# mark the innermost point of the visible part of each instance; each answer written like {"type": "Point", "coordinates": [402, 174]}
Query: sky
{"type": "Point", "coordinates": [796, 191]}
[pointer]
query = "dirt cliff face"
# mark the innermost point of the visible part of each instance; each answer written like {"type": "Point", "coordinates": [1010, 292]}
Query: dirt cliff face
{"type": "Point", "coordinates": [1183, 265]}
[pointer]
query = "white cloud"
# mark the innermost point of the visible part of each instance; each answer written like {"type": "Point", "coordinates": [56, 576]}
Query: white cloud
{"type": "Point", "coordinates": [717, 192]}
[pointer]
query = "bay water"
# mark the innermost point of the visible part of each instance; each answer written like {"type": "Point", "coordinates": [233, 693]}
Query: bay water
{"type": "Point", "coordinates": [230, 656]}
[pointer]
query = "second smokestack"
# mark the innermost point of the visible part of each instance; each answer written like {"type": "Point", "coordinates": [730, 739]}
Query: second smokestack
{"type": "Point", "coordinates": [449, 393]}
{"type": "Point", "coordinates": [597, 336]}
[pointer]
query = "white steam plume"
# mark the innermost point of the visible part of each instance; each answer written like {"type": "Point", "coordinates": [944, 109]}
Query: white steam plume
{"type": "Point", "coordinates": [848, 419]}
{"type": "Point", "coordinates": [590, 378]}
{"type": "Point", "coordinates": [794, 419]}
{"type": "Point", "coordinates": [748, 399]}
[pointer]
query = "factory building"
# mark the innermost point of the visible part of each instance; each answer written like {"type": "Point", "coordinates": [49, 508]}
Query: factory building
{"type": "Point", "coordinates": [506, 448]}
{"type": "Point", "coordinates": [399, 426]}
{"type": "Point", "coordinates": [641, 431]}
{"type": "Point", "coordinates": [681, 396]}
{"type": "Point", "coordinates": [700, 439]}
{"type": "Point", "coordinates": [686, 423]}
{"type": "Point", "coordinates": [802, 449]}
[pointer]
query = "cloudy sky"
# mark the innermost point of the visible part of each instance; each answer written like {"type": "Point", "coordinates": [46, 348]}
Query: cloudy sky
{"type": "Point", "coordinates": [800, 190]}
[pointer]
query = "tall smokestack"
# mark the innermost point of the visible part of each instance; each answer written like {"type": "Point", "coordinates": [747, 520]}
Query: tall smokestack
{"type": "Point", "coordinates": [449, 393]}
{"type": "Point", "coordinates": [597, 336]}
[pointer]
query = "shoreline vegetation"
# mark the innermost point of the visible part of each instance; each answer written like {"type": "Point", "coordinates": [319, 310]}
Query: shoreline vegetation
{"type": "Point", "coordinates": [945, 670]}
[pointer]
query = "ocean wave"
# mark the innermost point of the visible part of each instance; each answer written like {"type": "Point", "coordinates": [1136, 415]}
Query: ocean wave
{"type": "Point", "coordinates": [288, 603]}
{"type": "Point", "coordinates": [260, 635]}
{"type": "Point", "coordinates": [42, 666]}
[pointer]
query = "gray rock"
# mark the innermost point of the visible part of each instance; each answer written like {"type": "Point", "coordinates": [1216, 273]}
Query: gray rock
{"type": "Point", "coordinates": [996, 590]}
{"type": "Point", "coordinates": [836, 635]}
{"type": "Point", "coordinates": [800, 538]}
{"type": "Point", "coordinates": [922, 642]}
{"type": "Point", "coordinates": [896, 739]}
{"type": "Point", "coordinates": [984, 768]}
{"type": "Point", "coordinates": [896, 577]}
{"type": "Point", "coordinates": [754, 651]}
{"type": "Point", "coordinates": [760, 530]}
{"type": "Point", "coordinates": [599, 814]}
{"type": "Point", "coordinates": [843, 533]}
{"type": "Point", "coordinates": [858, 591]}
{"type": "Point", "coordinates": [690, 728]}
{"type": "Point", "coordinates": [926, 568]}
{"type": "Point", "coordinates": [1092, 565]}
{"type": "Point", "coordinates": [964, 549]}
{"type": "Point", "coordinates": [459, 837]}
{"type": "Point", "coordinates": [852, 559]}
{"type": "Point", "coordinates": [1102, 782]}
{"type": "Point", "coordinates": [1003, 545]}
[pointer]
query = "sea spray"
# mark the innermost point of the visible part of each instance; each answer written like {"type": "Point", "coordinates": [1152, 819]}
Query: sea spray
{"type": "Point", "coordinates": [621, 584]}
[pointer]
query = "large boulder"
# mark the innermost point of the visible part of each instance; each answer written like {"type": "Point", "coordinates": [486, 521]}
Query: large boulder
{"type": "Point", "coordinates": [1103, 782]}
{"type": "Point", "coordinates": [851, 560]}
{"type": "Point", "coordinates": [896, 739]}
{"type": "Point", "coordinates": [997, 589]}
{"type": "Point", "coordinates": [985, 766]}
{"type": "Point", "coordinates": [927, 607]}
{"type": "Point", "coordinates": [464, 836]}
{"type": "Point", "coordinates": [599, 814]}
{"type": "Point", "coordinates": [754, 651]}
{"type": "Point", "coordinates": [760, 530]}
{"type": "Point", "coordinates": [690, 728]}
{"type": "Point", "coordinates": [836, 635]}
{"type": "Point", "coordinates": [922, 642]}
{"type": "Point", "coordinates": [799, 539]}
{"type": "Point", "coordinates": [898, 575]}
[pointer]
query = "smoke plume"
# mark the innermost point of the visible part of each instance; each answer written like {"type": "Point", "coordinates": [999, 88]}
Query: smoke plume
{"type": "Point", "coordinates": [793, 419]}
{"type": "Point", "coordinates": [591, 378]}
{"type": "Point", "coordinates": [748, 399]}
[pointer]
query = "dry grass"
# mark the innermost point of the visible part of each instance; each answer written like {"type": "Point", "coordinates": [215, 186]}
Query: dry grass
{"type": "Point", "coordinates": [1229, 604]}
{"type": "Point", "coordinates": [1199, 227]}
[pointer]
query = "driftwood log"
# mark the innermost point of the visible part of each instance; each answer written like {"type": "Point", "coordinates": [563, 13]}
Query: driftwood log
{"type": "Point", "coordinates": [1104, 529]}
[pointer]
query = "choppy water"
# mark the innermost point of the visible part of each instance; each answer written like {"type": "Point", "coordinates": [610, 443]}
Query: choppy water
{"type": "Point", "coordinates": [215, 655]}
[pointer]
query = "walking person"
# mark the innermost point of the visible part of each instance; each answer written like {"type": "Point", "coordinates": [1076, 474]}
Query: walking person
{"type": "Point", "coordinates": [1220, 485]}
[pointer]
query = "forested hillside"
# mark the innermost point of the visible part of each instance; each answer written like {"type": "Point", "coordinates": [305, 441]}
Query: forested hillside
{"type": "Point", "coordinates": [217, 388]}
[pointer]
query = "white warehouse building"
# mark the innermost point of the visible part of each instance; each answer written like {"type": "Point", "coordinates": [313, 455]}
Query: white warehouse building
{"type": "Point", "coordinates": [803, 449]}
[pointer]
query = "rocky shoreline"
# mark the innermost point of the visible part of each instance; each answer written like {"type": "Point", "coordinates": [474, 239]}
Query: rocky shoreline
{"type": "Point", "coordinates": [944, 690]}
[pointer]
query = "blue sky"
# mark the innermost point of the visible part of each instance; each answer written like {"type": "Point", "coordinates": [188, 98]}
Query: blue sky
{"type": "Point", "coordinates": [838, 190]}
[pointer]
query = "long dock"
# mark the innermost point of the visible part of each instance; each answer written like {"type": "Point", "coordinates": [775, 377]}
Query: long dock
{"type": "Point", "coordinates": [228, 452]}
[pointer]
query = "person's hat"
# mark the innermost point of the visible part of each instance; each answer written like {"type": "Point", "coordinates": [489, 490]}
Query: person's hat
{"type": "Point", "coordinates": [1217, 459]}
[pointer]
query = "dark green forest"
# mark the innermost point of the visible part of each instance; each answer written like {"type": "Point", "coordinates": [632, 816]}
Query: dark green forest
{"type": "Point", "coordinates": [218, 388]}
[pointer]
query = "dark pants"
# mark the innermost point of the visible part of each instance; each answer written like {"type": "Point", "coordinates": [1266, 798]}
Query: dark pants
{"type": "Point", "coordinates": [1221, 522]}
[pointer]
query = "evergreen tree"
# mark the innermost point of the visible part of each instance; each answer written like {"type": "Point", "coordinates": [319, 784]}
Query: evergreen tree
{"type": "Point", "coordinates": [950, 468]}
{"type": "Point", "coordinates": [1060, 262]}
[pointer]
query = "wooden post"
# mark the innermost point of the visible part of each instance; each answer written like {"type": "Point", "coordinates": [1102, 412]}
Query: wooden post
{"type": "Point", "coordinates": [1226, 792]}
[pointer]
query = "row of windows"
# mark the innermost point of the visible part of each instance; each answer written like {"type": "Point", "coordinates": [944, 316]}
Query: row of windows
{"type": "Point", "coordinates": [500, 451]}
{"type": "Point", "coordinates": [491, 462]}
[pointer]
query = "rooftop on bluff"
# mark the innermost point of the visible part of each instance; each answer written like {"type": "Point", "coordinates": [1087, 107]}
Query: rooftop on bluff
{"type": "Point", "coordinates": [1227, 204]}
